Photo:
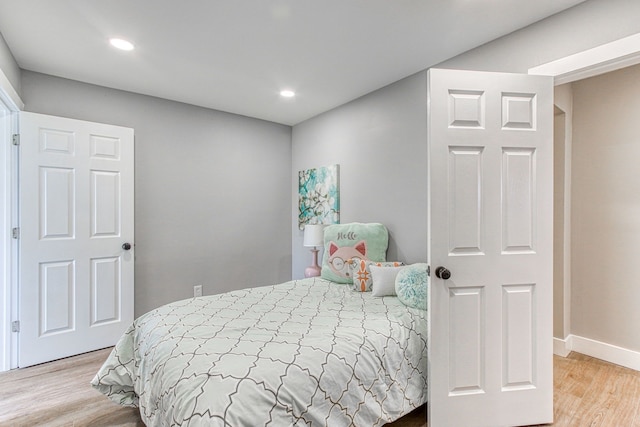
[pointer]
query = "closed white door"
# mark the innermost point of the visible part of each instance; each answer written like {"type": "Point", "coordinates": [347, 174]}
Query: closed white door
{"type": "Point", "coordinates": [76, 219]}
{"type": "Point", "coordinates": [491, 201]}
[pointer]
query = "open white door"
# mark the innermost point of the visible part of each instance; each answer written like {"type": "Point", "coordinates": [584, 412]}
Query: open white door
{"type": "Point", "coordinates": [491, 216]}
{"type": "Point", "coordinates": [76, 214]}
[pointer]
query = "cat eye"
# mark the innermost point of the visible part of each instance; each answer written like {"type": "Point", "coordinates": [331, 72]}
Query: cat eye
{"type": "Point", "coordinates": [337, 263]}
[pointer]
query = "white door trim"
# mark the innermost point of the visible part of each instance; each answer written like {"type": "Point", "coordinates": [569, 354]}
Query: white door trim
{"type": "Point", "coordinates": [8, 215]}
{"type": "Point", "coordinates": [592, 62]}
{"type": "Point", "coordinates": [589, 63]}
{"type": "Point", "coordinates": [9, 95]}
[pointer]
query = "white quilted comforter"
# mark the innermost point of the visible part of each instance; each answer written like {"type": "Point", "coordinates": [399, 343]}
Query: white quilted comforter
{"type": "Point", "coordinates": [302, 353]}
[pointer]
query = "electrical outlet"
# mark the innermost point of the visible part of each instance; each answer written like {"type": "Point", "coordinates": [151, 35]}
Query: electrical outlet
{"type": "Point", "coordinates": [197, 291]}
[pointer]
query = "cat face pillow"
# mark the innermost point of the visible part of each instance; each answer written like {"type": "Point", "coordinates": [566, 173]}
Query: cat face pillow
{"type": "Point", "coordinates": [353, 241]}
{"type": "Point", "coordinates": [339, 257]}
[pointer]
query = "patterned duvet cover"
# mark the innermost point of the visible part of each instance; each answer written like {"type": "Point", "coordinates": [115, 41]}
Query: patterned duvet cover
{"type": "Point", "coordinates": [303, 353]}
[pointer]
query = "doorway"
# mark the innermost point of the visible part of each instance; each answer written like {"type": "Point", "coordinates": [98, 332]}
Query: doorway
{"type": "Point", "coordinates": [103, 297]}
{"type": "Point", "coordinates": [605, 224]}
{"type": "Point", "coordinates": [592, 284]}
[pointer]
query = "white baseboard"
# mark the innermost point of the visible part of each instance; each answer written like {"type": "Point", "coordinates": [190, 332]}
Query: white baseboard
{"type": "Point", "coordinates": [599, 350]}
{"type": "Point", "coordinates": [561, 347]}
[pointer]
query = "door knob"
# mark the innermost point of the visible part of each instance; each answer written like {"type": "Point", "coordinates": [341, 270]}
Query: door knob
{"type": "Point", "coordinates": [126, 246]}
{"type": "Point", "coordinates": [443, 273]}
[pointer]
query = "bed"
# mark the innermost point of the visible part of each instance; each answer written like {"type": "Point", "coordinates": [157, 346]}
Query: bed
{"type": "Point", "coordinates": [308, 352]}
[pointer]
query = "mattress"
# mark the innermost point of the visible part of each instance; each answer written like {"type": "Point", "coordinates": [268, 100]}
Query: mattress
{"type": "Point", "coordinates": [305, 352]}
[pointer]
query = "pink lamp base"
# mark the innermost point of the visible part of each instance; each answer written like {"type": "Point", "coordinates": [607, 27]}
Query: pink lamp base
{"type": "Point", "coordinates": [313, 270]}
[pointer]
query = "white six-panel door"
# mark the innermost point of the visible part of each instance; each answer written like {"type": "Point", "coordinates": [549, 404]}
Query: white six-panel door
{"type": "Point", "coordinates": [76, 212]}
{"type": "Point", "coordinates": [491, 196]}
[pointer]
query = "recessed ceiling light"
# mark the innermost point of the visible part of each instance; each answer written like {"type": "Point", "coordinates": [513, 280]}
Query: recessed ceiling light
{"type": "Point", "coordinates": [121, 44]}
{"type": "Point", "coordinates": [287, 93]}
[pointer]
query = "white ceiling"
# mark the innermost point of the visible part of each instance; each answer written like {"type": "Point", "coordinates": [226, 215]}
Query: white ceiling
{"type": "Point", "coordinates": [236, 55]}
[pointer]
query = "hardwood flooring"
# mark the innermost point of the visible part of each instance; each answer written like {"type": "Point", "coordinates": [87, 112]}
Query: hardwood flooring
{"type": "Point", "coordinates": [58, 394]}
{"type": "Point", "coordinates": [588, 392]}
{"type": "Point", "coordinates": [591, 392]}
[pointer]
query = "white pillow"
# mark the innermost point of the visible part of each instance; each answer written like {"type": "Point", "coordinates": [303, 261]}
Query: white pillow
{"type": "Point", "coordinates": [361, 274]}
{"type": "Point", "coordinates": [383, 280]}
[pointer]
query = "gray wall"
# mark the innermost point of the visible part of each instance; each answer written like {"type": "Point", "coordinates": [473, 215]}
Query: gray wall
{"type": "Point", "coordinates": [354, 135]}
{"type": "Point", "coordinates": [605, 220]}
{"type": "Point", "coordinates": [9, 66]}
{"type": "Point", "coordinates": [380, 142]}
{"type": "Point", "coordinates": [212, 189]}
{"type": "Point", "coordinates": [397, 114]}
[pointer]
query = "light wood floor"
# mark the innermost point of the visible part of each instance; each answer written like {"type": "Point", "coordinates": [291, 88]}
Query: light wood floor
{"type": "Point", "coordinates": [588, 392]}
{"type": "Point", "coordinates": [591, 392]}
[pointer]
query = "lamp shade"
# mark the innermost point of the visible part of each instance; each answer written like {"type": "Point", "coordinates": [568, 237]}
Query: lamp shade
{"type": "Point", "coordinates": [313, 235]}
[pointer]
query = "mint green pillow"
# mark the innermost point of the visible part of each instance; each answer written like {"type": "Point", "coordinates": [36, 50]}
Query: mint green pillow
{"type": "Point", "coordinates": [412, 285]}
{"type": "Point", "coordinates": [357, 241]}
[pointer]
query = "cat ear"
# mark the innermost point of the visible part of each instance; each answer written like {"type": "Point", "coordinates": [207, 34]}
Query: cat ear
{"type": "Point", "coordinates": [361, 247]}
{"type": "Point", "coordinates": [332, 248]}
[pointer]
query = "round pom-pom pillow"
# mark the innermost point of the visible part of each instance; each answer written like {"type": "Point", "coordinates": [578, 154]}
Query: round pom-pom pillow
{"type": "Point", "coordinates": [412, 285]}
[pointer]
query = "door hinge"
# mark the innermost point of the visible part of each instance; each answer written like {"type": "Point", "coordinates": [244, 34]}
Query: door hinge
{"type": "Point", "coordinates": [15, 233]}
{"type": "Point", "coordinates": [15, 326]}
{"type": "Point", "coordinates": [16, 139]}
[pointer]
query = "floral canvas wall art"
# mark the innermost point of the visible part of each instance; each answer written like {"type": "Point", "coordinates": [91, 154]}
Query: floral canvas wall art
{"type": "Point", "coordinates": [319, 196]}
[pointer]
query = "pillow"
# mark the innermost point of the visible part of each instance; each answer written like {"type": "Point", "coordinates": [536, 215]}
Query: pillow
{"type": "Point", "coordinates": [361, 273]}
{"type": "Point", "coordinates": [383, 280]}
{"type": "Point", "coordinates": [412, 285]}
{"type": "Point", "coordinates": [357, 241]}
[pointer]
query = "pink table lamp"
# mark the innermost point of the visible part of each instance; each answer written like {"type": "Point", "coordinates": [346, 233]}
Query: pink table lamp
{"type": "Point", "coordinates": [313, 236]}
